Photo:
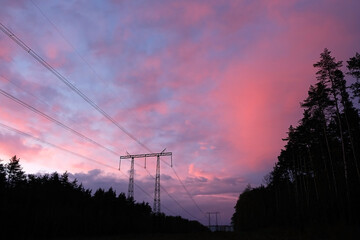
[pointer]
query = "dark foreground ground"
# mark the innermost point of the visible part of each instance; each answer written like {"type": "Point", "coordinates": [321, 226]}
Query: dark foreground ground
{"type": "Point", "coordinates": [330, 233]}
{"type": "Point", "coordinates": [200, 236]}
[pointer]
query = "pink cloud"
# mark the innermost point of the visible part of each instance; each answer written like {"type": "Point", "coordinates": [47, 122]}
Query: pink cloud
{"type": "Point", "coordinates": [198, 173]}
{"type": "Point", "coordinates": [13, 145]}
{"type": "Point", "coordinates": [5, 52]}
{"type": "Point", "coordinates": [192, 12]}
{"type": "Point", "coordinates": [51, 51]}
{"type": "Point", "coordinates": [216, 83]}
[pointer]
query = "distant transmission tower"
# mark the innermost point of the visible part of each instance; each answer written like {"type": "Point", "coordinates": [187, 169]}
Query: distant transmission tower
{"type": "Point", "coordinates": [156, 208]}
{"type": "Point", "coordinates": [216, 221]}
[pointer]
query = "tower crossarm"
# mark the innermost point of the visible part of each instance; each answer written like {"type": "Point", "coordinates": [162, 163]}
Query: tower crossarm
{"type": "Point", "coordinates": [146, 155]}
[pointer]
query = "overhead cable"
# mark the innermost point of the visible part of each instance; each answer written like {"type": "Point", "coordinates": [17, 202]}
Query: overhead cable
{"type": "Point", "coordinates": [82, 95]}
{"type": "Point", "coordinates": [22, 133]}
{"type": "Point", "coordinates": [68, 83]}
{"type": "Point", "coordinates": [22, 103]}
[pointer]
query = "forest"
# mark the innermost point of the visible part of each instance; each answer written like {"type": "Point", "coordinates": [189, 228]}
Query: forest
{"type": "Point", "coordinates": [50, 205]}
{"type": "Point", "coordinates": [316, 179]}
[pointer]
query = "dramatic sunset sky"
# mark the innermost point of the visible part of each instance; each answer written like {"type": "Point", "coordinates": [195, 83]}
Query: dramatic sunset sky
{"type": "Point", "coordinates": [217, 83]}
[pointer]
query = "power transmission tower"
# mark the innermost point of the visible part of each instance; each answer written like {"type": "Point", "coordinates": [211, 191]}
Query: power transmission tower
{"type": "Point", "coordinates": [216, 220]}
{"type": "Point", "coordinates": [156, 207]}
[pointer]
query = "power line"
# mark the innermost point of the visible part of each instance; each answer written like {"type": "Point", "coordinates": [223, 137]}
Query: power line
{"type": "Point", "coordinates": [78, 134]}
{"type": "Point", "coordinates": [68, 83]}
{"type": "Point", "coordinates": [183, 185]}
{"type": "Point", "coordinates": [179, 204]}
{"type": "Point", "coordinates": [52, 145]}
{"type": "Point", "coordinates": [81, 57]}
{"type": "Point", "coordinates": [27, 92]}
{"type": "Point", "coordinates": [33, 109]}
{"type": "Point", "coordinates": [19, 132]}
{"type": "Point", "coordinates": [173, 198]}
{"type": "Point", "coordinates": [81, 94]}
{"type": "Point", "coordinates": [67, 41]}
{"type": "Point", "coordinates": [148, 194]}
{"type": "Point", "coordinates": [32, 95]}
{"type": "Point", "coordinates": [171, 195]}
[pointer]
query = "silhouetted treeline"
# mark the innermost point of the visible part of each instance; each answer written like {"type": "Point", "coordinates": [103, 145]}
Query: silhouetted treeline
{"type": "Point", "coordinates": [316, 180]}
{"type": "Point", "coordinates": [50, 205]}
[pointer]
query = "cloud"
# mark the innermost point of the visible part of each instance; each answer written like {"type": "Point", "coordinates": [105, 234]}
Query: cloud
{"type": "Point", "coordinates": [216, 83]}
{"type": "Point", "coordinates": [208, 196]}
{"type": "Point", "coordinates": [96, 178]}
{"type": "Point", "coordinates": [14, 145]}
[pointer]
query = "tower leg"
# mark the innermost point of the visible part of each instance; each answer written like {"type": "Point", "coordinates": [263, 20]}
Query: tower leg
{"type": "Point", "coordinates": [131, 181]}
{"type": "Point", "coordinates": [157, 187]}
{"type": "Point", "coordinates": [217, 226]}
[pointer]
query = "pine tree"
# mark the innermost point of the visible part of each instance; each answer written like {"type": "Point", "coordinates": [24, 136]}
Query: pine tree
{"type": "Point", "coordinates": [354, 70]}
{"type": "Point", "coordinates": [2, 176]}
{"type": "Point", "coordinates": [328, 74]}
{"type": "Point", "coordinates": [15, 174]}
{"type": "Point", "coordinates": [318, 107]}
{"type": "Point", "coordinates": [351, 117]}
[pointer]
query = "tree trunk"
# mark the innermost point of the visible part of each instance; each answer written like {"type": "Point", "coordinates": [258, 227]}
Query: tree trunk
{"type": "Point", "coordinates": [330, 158]}
{"type": "Point", "coordinates": [313, 168]}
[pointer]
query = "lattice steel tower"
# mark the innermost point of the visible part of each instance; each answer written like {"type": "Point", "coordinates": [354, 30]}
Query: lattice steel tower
{"type": "Point", "coordinates": [156, 208]}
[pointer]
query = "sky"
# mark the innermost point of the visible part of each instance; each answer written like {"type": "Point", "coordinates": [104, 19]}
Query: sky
{"type": "Point", "coordinates": [217, 83]}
